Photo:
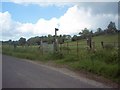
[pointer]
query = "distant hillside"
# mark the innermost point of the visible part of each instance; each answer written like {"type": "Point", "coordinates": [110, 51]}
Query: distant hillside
{"type": "Point", "coordinates": [109, 38]}
{"type": "Point", "coordinates": [106, 38]}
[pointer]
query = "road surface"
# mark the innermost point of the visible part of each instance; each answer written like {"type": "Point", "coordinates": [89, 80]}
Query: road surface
{"type": "Point", "coordinates": [19, 73]}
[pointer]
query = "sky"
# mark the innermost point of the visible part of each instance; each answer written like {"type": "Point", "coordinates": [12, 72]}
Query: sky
{"type": "Point", "coordinates": [28, 19]}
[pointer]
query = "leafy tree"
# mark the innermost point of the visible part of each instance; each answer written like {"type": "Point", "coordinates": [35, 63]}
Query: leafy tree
{"type": "Point", "coordinates": [111, 28]}
{"type": "Point", "coordinates": [30, 41]}
{"type": "Point", "coordinates": [10, 42]}
{"type": "Point", "coordinates": [15, 43]}
{"type": "Point", "coordinates": [50, 39]}
{"type": "Point", "coordinates": [34, 40]}
{"type": "Point", "coordinates": [61, 39]}
{"type": "Point", "coordinates": [99, 30]}
{"type": "Point", "coordinates": [44, 38]}
{"type": "Point", "coordinates": [91, 32]}
{"type": "Point", "coordinates": [74, 38]}
{"type": "Point", "coordinates": [22, 41]}
{"type": "Point", "coordinates": [66, 37]}
{"type": "Point", "coordinates": [85, 33]}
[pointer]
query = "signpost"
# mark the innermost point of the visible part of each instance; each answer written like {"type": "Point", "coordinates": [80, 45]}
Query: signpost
{"type": "Point", "coordinates": [56, 41]}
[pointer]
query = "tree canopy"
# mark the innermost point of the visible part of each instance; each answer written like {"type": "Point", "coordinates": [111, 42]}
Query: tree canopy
{"type": "Point", "coordinates": [22, 41]}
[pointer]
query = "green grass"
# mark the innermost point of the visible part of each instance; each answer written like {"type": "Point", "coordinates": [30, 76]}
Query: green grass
{"type": "Point", "coordinates": [103, 62]}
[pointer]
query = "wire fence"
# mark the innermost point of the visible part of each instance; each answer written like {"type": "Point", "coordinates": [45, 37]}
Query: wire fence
{"type": "Point", "coordinates": [77, 47]}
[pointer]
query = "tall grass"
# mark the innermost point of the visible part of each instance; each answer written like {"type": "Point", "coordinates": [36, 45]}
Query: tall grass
{"type": "Point", "coordinates": [102, 62]}
{"type": "Point", "coordinates": [31, 52]}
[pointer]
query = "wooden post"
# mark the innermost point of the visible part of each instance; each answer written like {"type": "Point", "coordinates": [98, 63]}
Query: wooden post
{"type": "Point", "coordinates": [102, 44]}
{"type": "Point", "coordinates": [41, 43]}
{"type": "Point", "coordinates": [56, 41]}
{"type": "Point", "coordinates": [93, 45]}
{"type": "Point", "coordinates": [67, 48]}
{"type": "Point", "coordinates": [94, 50]}
{"type": "Point", "coordinates": [89, 42]}
{"type": "Point", "coordinates": [77, 49]}
{"type": "Point", "coordinates": [15, 46]}
{"type": "Point", "coordinates": [60, 47]}
{"type": "Point", "coordinates": [114, 45]}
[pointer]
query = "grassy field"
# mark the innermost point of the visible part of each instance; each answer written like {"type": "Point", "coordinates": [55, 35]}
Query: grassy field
{"type": "Point", "coordinates": [103, 62]}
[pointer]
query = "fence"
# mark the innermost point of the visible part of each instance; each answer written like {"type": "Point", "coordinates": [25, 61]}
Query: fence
{"type": "Point", "coordinates": [45, 48]}
{"type": "Point", "coordinates": [77, 47]}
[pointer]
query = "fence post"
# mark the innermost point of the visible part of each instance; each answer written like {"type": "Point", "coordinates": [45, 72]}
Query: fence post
{"type": "Point", "coordinates": [41, 43]}
{"type": "Point", "coordinates": [93, 43]}
{"type": "Point", "coordinates": [102, 44]}
{"type": "Point", "coordinates": [77, 49]}
{"type": "Point", "coordinates": [67, 44]}
{"type": "Point", "coordinates": [68, 47]}
{"type": "Point", "coordinates": [89, 42]}
{"type": "Point", "coordinates": [60, 47]}
{"type": "Point", "coordinates": [114, 45]}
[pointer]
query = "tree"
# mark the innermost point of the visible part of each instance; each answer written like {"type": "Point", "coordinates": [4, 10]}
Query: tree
{"type": "Point", "coordinates": [15, 43]}
{"type": "Point", "coordinates": [74, 38]}
{"type": "Point", "coordinates": [34, 40]}
{"type": "Point", "coordinates": [22, 41]}
{"type": "Point", "coordinates": [37, 40]}
{"type": "Point", "coordinates": [61, 39]}
{"type": "Point", "coordinates": [111, 28]}
{"type": "Point", "coordinates": [68, 37]}
{"type": "Point", "coordinates": [50, 39]}
{"type": "Point", "coordinates": [10, 42]}
{"type": "Point", "coordinates": [99, 30]}
{"type": "Point", "coordinates": [85, 33]}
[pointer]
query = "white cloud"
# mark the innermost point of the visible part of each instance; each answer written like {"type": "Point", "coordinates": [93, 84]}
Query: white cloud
{"type": "Point", "coordinates": [14, 30]}
{"type": "Point", "coordinates": [73, 21]}
{"type": "Point", "coordinates": [8, 26]}
{"type": "Point", "coordinates": [76, 19]}
{"type": "Point", "coordinates": [44, 27]}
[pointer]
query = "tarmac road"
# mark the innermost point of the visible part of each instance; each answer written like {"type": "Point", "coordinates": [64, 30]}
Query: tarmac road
{"type": "Point", "coordinates": [19, 73]}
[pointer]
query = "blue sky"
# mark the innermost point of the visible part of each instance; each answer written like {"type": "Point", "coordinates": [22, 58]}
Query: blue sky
{"type": "Point", "coordinates": [29, 19]}
{"type": "Point", "coordinates": [31, 13]}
